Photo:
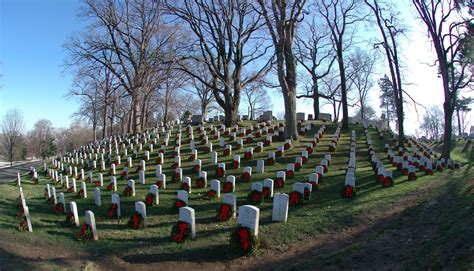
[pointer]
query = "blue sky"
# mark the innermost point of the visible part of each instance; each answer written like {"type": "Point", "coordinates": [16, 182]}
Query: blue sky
{"type": "Point", "coordinates": [32, 33]}
{"type": "Point", "coordinates": [31, 36]}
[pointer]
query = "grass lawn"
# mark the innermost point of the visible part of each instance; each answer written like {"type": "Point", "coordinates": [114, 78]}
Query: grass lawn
{"type": "Point", "coordinates": [327, 232]}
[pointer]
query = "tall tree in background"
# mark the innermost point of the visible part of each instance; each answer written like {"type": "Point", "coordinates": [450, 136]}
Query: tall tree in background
{"type": "Point", "coordinates": [447, 30]}
{"type": "Point", "coordinates": [313, 52]}
{"type": "Point", "coordinates": [257, 98]}
{"type": "Point", "coordinates": [389, 30]}
{"type": "Point", "coordinates": [387, 100]}
{"type": "Point", "coordinates": [361, 66]}
{"type": "Point", "coordinates": [281, 18]}
{"type": "Point", "coordinates": [432, 123]}
{"type": "Point", "coordinates": [340, 17]}
{"type": "Point", "coordinates": [226, 42]}
{"type": "Point", "coordinates": [13, 127]}
{"type": "Point", "coordinates": [127, 30]}
{"type": "Point", "coordinates": [462, 107]}
{"type": "Point", "coordinates": [41, 139]}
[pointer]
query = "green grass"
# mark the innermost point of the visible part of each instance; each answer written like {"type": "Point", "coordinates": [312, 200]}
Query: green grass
{"type": "Point", "coordinates": [325, 212]}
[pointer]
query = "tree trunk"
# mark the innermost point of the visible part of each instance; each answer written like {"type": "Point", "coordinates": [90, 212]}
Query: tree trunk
{"type": "Point", "coordinates": [448, 130]}
{"type": "Point", "coordinates": [203, 110]}
{"type": "Point", "coordinates": [459, 123]}
{"type": "Point", "coordinates": [104, 129]}
{"type": "Point", "coordinates": [342, 74]}
{"type": "Point", "coordinates": [136, 116]}
{"type": "Point", "coordinates": [112, 116]}
{"type": "Point", "coordinates": [362, 109]}
{"type": "Point", "coordinates": [315, 100]}
{"type": "Point", "coordinates": [230, 113]}
{"type": "Point", "coordinates": [94, 130]}
{"type": "Point", "coordinates": [401, 142]}
{"type": "Point", "coordinates": [290, 114]}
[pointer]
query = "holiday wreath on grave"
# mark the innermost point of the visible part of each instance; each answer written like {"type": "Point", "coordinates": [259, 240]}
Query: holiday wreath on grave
{"type": "Point", "coordinates": [85, 233]}
{"type": "Point", "coordinates": [127, 192]}
{"type": "Point", "coordinates": [266, 192]}
{"type": "Point", "coordinates": [270, 161]}
{"type": "Point", "coordinates": [23, 225]}
{"type": "Point", "coordinates": [149, 198]}
{"type": "Point", "coordinates": [235, 164]}
{"type": "Point", "coordinates": [279, 183]}
{"type": "Point", "coordinates": [348, 192]}
{"type": "Point", "coordinates": [211, 194]}
{"type": "Point", "coordinates": [110, 187]}
{"type": "Point", "coordinates": [228, 187]}
{"type": "Point", "coordinates": [136, 221]}
{"type": "Point", "coordinates": [296, 198]}
{"type": "Point", "coordinates": [180, 232]}
{"type": "Point", "coordinates": [387, 181]}
{"type": "Point", "coordinates": [59, 208]}
{"type": "Point", "coordinates": [219, 172]}
{"type": "Point", "coordinates": [70, 220]}
{"type": "Point", "coordinates": [178, 204]}
{"type": "Point", "coordinates": [80, 194]}
{"type": "Point", "coordinates": [200, 182]}
{"type": "Point", "coordinates": [224, 212]}
{"type": "Point", "coordinates": [185, 187]}
{"type": "Point", "coordinates": [255, 197]}
{"type": "Point", "coordinates": [113, 211]}
{"type": "Point", "coordinates": [245, 177]}
{"type": "Point", "coordinates": [159, 183]}
{"type": "Point", "coordinates": [243, 239]}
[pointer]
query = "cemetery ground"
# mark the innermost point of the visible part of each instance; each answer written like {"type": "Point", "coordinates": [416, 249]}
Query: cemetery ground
{"type": "Point", "coordinates": [420, 224]}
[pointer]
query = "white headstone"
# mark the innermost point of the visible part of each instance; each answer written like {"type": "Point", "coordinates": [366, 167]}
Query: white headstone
{"type": "Point", "coordinates": [141, 176]}
{"type": "Point", "coordinates": [183, 195]}
{"type": "Point", "coordinates": [73, 210]}
{"type": "Point", "coordinates": [249, 216]}
{"type": "Point", "coordinates": [90, 220]}
{"type": "Point", "coordinates": [131, 184]}
{"type": "Point", "coordinates": [216, 186]}
{"type": "Point", "coordinates": [231, 199]}
{"type": "Point", "coordinates": [140, 208]}
{"type": "Point", "coordinates": [280, 207]}
{"type": "Point", "coordinates": [84, 189]}
{"type": "Point", "coordinates": [62, 201]}
{"type": "Point", "coordinates": [116, 200]}
{"type": "Point", "coordinates": [97, 199]}
{"type": "Point", "coordinates": [260, 166]}
{"type": "Point", "coordinates": [269, 183]}
{"type": "Point", "coordinates": [186, 214]}
{"type": "Point", "coordinates": [155, 191]}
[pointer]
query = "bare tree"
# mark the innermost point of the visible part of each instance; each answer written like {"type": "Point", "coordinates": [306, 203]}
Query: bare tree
{"type": "Point", "coordinates": [202, 90]}
{"type": "Point", "coordinates": [390, 31]}
{"type": "Point", "coordinates": [447, 29]}
{"type": "Point", "coordinates": [257, 99]}
{"type": "Point", "coordinates": [40, 139]}
{"type": "Point", "coordinates": [340, 17]}
{"type": "Point", "coordinates": [225, 40]}
{"type": "Point", "coordinates": [86, 88]}
{"type": "Point", "coordinates": [313, 52]}
{"type": "Point", "coordinates": [12, 135]}
{"type": "Point", "coordinates": [432, 123]}
{"type": "Point", "coordinates": [361, 66]}
{"type": "Point", "coordinates": [331, 91]}
{"type": "Point", "coordinates": [281, 18]}
{"type": "Point", "coordinates": [462, 109]}
{"type": "Point", "coordinates": [127, 30]}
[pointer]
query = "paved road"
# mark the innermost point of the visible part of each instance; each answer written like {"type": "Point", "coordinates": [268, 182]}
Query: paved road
{"type": "Point", "coordinates": [9, 174]}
